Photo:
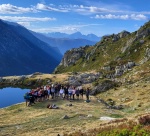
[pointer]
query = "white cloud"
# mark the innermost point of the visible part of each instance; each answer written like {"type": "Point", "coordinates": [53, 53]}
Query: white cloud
{"type": "Point", "coordinates": [41, 6]}
{"type": "Point", "coordinates": [26, 19]}
{"type": "Point", "coordinates": [123, 17]}
{"type": "Point", "coordinates": [11, 9]}
{"type": "Point", "coordinates": [138, 17]}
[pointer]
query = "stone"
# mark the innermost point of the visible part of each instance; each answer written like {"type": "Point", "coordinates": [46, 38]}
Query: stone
{"type": "Point", "coordinates": [89, 116]}
{"type": "Point", "coordinates": [65, 117]}
{"type": "Point", "coordinates": [70, 104]}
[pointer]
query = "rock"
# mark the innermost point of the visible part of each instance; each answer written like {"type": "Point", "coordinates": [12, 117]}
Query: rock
{"type": "Point", "coordinates": [123, 34]}
{"type": "Point", "coordinates": [89, 116]}
{"type": "Point", "coordinates": [70, 104]}
{"type": "Point", "coordinates": [21, 78]}
{"type": "Point", "coordinates": [71, 56]}
{"type": "Point", "coordinates": [83, 78]}
{"type": "Point", "coordinates": [107, 68]}
{"type": "Point", "coordinates": [146, 56]}
{"type": "Point", "coordinates": [141, 41]}
{"type": "Point", "coordinates": [65, 117]}
{"type": "Point", "coordinates": [106, 118]}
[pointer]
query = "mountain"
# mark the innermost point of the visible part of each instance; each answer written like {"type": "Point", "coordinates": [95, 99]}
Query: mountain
{"type": "Point", "coordinates": [114, 56]}
{"type": "Point", "coordinates": [63, 44]}
{"type": "Point", "coordinates": [22, 53]}
{"type": "Point", "coordinates": [57, 35]}
{"type": "Point", "coordinates": [76, 35]}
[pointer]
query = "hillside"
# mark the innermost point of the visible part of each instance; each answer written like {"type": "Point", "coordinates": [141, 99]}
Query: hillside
{"type": "Point", "coordinates": [111, 53]}
{"type": "Point", "coordinates": [22, 53]}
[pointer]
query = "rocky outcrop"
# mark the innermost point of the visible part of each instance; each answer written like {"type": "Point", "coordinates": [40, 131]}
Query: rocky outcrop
{"type": "Point", "coordinates": [71, 56]}
{"type": "Point", "coordinates": [146, 56]}
{"type": "Point", "coordinates": [142, 33]}
{"type": "Point", "coordinates": [119, 70]}
{"type": "Point", "coordinates": [84, 78]}
{"type": "Point", "coordinates": [115, 37]}
{"type": "Point", "coordinates": [88, 55]}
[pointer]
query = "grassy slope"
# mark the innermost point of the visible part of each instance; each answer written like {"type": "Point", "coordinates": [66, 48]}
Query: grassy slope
{"type": "Point", "coordinates": [106, 52]}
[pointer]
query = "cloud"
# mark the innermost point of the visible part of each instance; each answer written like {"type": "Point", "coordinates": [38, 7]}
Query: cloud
{"type": "Point", "coordinates": [26, 19]}
{"type": "Point", "coordinates": [11, 9]}
{"type": "Point", "coordinates": [41, 6]}
{"type": "Point", "coordinates": [123, 17]}
{"type": "Point", "coordinates": [81, 9]}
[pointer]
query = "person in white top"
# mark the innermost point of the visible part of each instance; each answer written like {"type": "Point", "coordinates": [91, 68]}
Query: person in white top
{"type": "Point", "coordinates": [61, 92]}
{"type": "Point", "coordinates": [73, 92]}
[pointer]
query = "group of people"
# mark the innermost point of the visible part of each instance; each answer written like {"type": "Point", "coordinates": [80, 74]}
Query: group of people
{"type": "Point", "coordinates": [55, 91]}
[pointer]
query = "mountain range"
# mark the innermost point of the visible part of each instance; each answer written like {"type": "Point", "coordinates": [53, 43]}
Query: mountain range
{"type": "Point", "coordinates": [76, 35]}
{"type": "Point", "coordinates": [65, 41]}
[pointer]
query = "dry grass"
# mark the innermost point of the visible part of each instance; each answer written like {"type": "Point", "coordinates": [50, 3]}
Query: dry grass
{"type": "Point", "coordinates": [38, 120]}
{"type": "Point", "coordinates": [134, 97]}
{"type": "Point", "coordinates": [19, 120]}
{"type": "Point", "coordinates": [53, 77]}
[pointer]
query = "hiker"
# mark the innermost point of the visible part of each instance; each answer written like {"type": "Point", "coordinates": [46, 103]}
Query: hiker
{"type": "Point", "coordinates": [49, 91]}
{"type": "Point", "coordinates": [87, 93]}
{"type": "Point", "coordinates": [61, 92]}
{"type": "Point", "coordinates": [73, 92]}
{"type": "Point", "coordinates": [52, 91]}
{"type": "Point", "coordinates": [77, 93]}
{"type": "Point", "coordinates": [81, 92]}
{"type": "Point", "coordinates": [70, 92]}
{"type": "Point", "coordinates": [27, 98]}
{"type": "Point", "coordinates": [66, 92]}
{"type": "Point", "coordinates": [45, 92]}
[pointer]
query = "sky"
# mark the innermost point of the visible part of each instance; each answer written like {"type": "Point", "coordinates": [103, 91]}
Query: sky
{"type": "Point", "coordinates": [100, 17]}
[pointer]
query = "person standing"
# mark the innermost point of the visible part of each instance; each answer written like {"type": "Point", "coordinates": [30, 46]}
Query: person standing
{"type": "Point", "coordinates": [77, 93]}
{"type": "Point", "coordinates": [81, 92]}
{"type": "Point", "coordinates": [66, 92]}
{"type": "Point", "coordinates": [70, 92]}
{"type": "Point", "coordinates": [61, 92]}
{"type": "Point", "coordinates": [87, 93]}
{"type": "Point", "coordinates": [73, 92]}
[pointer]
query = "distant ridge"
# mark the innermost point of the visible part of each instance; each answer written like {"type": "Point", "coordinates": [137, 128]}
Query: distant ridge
{"type": "Point", "coordinates": [63, 41]}
{"type": "Point", "coordinates": [22, 53]}
{"type": "Point", "coordinates": [76, 35]}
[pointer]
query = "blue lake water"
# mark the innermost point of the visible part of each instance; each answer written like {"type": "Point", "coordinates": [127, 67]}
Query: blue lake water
{"type": "Point", "coordinates": [10, 96]}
